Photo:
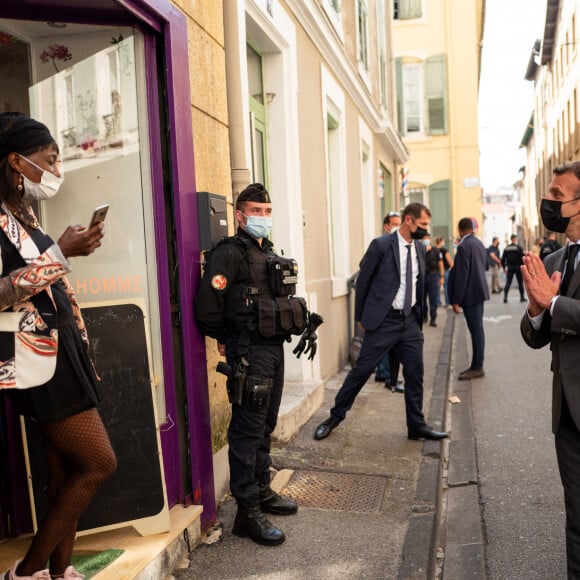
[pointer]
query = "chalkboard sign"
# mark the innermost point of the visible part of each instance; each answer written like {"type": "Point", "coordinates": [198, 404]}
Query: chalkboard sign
{"type": "Point", "coordinates": [119, 350]}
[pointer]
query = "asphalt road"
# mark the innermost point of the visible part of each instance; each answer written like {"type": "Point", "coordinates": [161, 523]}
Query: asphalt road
{"type": "Point", "coordinates": [520, 490]}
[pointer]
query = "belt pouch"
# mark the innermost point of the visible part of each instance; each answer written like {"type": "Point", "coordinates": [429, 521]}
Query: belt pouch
{"type": "Point", "coordinates": [258, 390]}
{"type": "Point", "coordinates": [267, 317]}
{"type": "Point", "coordinates": [286, 318]}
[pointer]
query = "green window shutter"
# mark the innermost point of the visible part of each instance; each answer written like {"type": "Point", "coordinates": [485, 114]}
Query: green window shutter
{"type": "Point", "coordinates": [400, 101]}
{"type": "Point", "coordinates": [436, 94]}
{"type": "Point", "coordinates": [409, 9]}
{"type": "Point", "coordinates": [440, 205]}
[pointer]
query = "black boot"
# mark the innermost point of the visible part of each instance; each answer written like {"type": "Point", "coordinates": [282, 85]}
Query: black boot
{"type": "Point", "coordinates": [273, 503]}
{"type": "Point", "coordinates": [251, 523]}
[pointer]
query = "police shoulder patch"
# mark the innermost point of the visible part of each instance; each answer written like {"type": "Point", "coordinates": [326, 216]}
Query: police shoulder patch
{"type": "Point", "coordinates": [219, 282]}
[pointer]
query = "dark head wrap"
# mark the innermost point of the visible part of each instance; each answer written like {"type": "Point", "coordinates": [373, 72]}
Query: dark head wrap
{"type": "Point", "coordinates": [255, 192]}
{"type": "Point", "coordinates": [24, 135]}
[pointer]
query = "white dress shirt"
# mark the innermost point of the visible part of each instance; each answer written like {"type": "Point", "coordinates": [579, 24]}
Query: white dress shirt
{"type": "Point", "coordinates": [399, 301]}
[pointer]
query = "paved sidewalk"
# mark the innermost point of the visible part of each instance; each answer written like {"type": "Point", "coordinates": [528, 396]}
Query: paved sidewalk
{"type": "Point", "coordinates": [368, 496]}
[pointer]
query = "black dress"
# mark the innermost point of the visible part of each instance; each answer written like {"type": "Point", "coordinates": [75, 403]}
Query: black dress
{"type": "Point", "coordinates": [73, 388]}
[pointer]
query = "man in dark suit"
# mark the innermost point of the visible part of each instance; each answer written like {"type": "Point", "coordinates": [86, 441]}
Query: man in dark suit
{"type": "Point", "coordinates": [553, 317]}
{"type": "Point", "coordinates": [389, 296]}
{"type": "Point", "coordinates": [468, 290]}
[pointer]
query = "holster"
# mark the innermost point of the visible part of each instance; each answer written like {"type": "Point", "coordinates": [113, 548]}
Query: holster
{"type": "Point", "coordinates": [235, 383]}
{"type": "Point", "coordinates": [257, 392]}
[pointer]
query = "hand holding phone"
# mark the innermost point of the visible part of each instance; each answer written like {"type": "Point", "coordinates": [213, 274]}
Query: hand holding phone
{"type": "Point", "coordinates": [99, 215]}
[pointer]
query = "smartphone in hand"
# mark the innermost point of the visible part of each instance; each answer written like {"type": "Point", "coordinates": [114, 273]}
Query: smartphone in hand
{"type": "Point", "coordinates": [99, 215]}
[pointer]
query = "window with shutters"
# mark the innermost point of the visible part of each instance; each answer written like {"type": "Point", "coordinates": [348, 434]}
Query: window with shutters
{"type": "Point", "coordinates": [436, 93]}
{"type": "Point", "coordinates": [439, 202]}
{"type": "Point", "coordinates": [422, 96]}
{"type": "Point", "coordinates": [362, 35]}
{"type": "Point", "coordinates": [382, 51]}
{"type": "Point", "coordinates": [407, 9]}
{"type": "Point", "coordinates": [333, 9]}
{"type": "Point", "coordinates": [413, 98]}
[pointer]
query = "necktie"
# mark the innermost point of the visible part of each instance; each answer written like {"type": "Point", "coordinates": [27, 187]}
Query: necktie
{"type": "Point", "coordinates": [408, 283]}
{"type": "Point", "coordinates": [571, 259]}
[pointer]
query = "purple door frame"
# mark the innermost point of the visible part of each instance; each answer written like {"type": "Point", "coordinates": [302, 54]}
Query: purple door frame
{"type": "Point", "coordinates": [160, 18]}
{"type": "Point", "coordinates": [166, 18]}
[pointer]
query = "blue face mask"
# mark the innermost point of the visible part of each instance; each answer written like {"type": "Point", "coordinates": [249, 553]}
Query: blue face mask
{"type": "Point", "coordinates": [426, 242]}
{"type": "Point", "coordinates": [258, 226]}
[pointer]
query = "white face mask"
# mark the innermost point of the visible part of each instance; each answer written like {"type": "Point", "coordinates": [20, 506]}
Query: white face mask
{"type": "Point", "coordinates": [258, 226]}
{"type": "Point", "coordinates": [48, 186]}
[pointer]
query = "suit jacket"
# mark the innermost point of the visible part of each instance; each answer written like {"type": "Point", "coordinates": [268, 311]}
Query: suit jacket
{"type": "Point", "coordinates": [467, 283]}
{"type": "Point", "coordinates": [379, 280]}
{"type": "Point", "coordinates": [561, 330]}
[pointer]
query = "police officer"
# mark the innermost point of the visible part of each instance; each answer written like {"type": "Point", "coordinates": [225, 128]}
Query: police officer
{"type": "Point", "coordinates": [245, 310]}
{"type": "Point", "coordinates": [512, 261]}
{"type": "Point", "coordinates": [549, 246]}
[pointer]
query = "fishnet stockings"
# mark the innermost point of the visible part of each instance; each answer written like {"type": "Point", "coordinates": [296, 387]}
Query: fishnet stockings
{"type": "Point", "coordinates": [79, 459]}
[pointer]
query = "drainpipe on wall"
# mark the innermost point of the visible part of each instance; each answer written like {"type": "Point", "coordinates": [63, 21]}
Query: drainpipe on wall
{"type": "Point", "coordinates": [236, 87]}
{"type": "Point", "coordinates": [454, 181]}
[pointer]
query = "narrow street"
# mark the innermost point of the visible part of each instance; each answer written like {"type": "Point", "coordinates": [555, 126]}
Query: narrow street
{"type": "Point", "coordinates": [519, 486]}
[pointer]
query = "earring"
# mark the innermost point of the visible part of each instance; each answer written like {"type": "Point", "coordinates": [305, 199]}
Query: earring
{"type": "Point", "coordinates": [20, 185]}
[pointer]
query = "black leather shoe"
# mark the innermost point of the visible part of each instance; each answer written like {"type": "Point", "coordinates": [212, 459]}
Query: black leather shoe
{"type": "Point", "coordinates": [323, 430]}
{"type": "Point", "coordinates": [432, 323]}
{"type": "Point", "coordinates": [252, 523]}
{"type": "Point", "coordinates": [426, 432]}
{"type": "Point", "coordinates": [274, 503]}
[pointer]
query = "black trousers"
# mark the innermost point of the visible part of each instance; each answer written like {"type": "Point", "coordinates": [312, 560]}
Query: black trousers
{"type": "Point", "coordinates": [432, 282]}
{"type": "Point", "coordinates": [568, 453]}
{"type": "Point", "coordinates": [508, 281]}
{"type": "Point", "coordinates": [396, 333]}
{"type": "Point", "coordinates": [249, 431]}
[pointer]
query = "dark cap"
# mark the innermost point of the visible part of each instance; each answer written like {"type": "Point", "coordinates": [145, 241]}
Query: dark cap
{"type": "Point", "coordinates": [254, 192]}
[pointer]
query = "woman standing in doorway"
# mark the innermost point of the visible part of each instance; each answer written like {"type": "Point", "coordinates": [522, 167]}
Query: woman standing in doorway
{"type": "Point", "coordinates": [45, 370]}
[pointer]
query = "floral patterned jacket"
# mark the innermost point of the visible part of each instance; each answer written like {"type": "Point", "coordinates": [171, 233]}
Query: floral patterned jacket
{"type": "Point", "coordinates": [33, 341]}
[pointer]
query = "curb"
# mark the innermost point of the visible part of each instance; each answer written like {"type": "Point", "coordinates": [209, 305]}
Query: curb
{"type": "Point", "coordinates": [462, 535]}
{"type": "Point", "coordinates": [420, 548]}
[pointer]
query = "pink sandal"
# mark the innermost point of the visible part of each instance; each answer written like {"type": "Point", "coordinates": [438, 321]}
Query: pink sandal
{"type": "Point", "coordinates": [40, 575]}
{"type": "Point", "coordinates": [70, 574]}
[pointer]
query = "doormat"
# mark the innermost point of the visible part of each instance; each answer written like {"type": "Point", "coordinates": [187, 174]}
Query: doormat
{"type": "Point", "coordinates": [90, 563]}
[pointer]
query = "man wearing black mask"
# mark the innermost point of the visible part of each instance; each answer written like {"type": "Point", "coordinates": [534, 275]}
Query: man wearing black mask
{"type": "Point", "coordinates": [389, 297]}
{"type": "Point", "coordinates": [553, 317]}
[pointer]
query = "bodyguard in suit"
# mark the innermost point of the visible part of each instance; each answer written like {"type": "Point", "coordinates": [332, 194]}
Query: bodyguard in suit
{"type": "Point", "coordinates": [468, 291]}
{"type": "Point", "coordinates": [388, 306]}
{"type": "Point", "coordinates": [553, 317]}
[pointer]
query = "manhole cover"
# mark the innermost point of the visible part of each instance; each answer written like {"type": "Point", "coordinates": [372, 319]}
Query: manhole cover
{"type": "Point", "coordinates": [341, 492]}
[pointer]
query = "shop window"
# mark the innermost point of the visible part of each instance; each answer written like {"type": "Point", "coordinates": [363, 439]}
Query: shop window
{"type": "Point", "coordinates": [87, 84]}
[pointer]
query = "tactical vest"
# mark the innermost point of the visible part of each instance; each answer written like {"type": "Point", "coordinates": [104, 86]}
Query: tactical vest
{"type": "Point", "coordinates": [263, 302]}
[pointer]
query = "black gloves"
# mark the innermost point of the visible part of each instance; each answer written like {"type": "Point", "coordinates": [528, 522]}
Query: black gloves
{"type": "Point", "coordinates": [307, 343]}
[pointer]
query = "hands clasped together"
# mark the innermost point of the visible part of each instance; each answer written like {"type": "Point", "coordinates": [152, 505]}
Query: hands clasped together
{"type": "Point", "coordinates": [540, 287]}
